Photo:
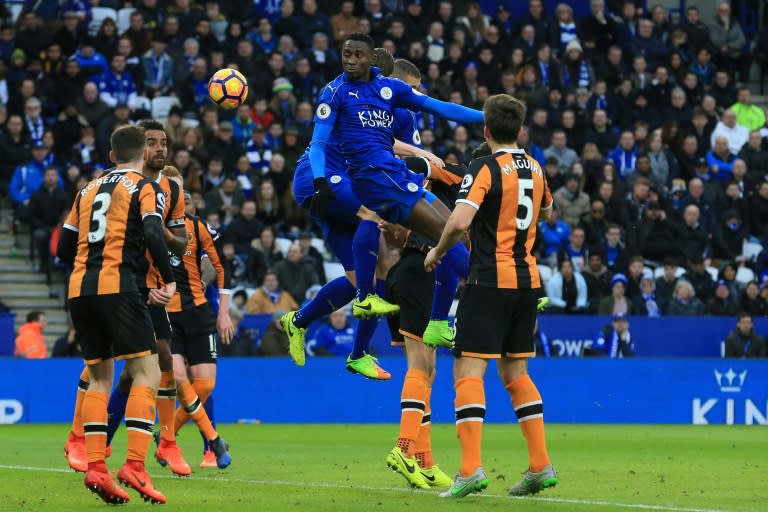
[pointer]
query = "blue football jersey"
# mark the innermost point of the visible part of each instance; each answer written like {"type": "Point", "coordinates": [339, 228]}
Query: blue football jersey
{"type": "Point", "coordinates": [404, 127]}
{"type": "Point", "coordinates": [362, 117]}
{"type": "Point", "coordinates": [334, 159]}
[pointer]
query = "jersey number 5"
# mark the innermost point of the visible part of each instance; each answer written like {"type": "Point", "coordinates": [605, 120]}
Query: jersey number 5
{"type": "Point", "coordinates": [525, 198]}
{"type": "Point", "coordinates": [99, 217]}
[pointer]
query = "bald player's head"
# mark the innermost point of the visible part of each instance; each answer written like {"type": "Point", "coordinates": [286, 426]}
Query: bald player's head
{"type": "Point", "coordinates": [383, 60]}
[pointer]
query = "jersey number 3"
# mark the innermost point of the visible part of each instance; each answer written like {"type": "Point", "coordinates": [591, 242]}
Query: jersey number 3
{"type": "Point", "coordinates": [99, 217]}
{"type": "Point", "coordinates": [525, 198]}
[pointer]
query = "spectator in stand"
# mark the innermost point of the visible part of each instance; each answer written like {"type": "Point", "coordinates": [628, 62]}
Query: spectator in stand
{"type": "Point", "coordinates": [665, 285]}
{"type": "Point", "coordinates": [729, 238]}
{"type": "Point", "coordinates": [698, 276]}
{"type": "Point", "coordinates": [575, 250]}
{"type": "Point", "coordinates": [576, 70]}
{"type": "Point", "coordinates": [656, 236]}
{"type": "Point", "coordinates": [270, 297]}
{"type": "Point", "coordinates": [625, 154]}
{"type": "Point", "coordinates": [684, 301]}
{"type": "Point", "coordinates": [601, 133]}
{"type": "Point", "coordinates": [14, 145]}
{"type": "Point", "coordinates": [30, 343]}
{"type": "Point", "coordinates": [27, 179]}
{"type": "Point", "coordinates": [558, 149]}
{"type": "Point", "coordinates": [571, 202]}
{"type": "Point", "coordinates": [312, 22]}
{"type": "Point", "coordinates": [720, 159]}
{"type": "Point", "coordinates": [344, 22]}
{"type": "Point", "coordinates": [598, 279]}
{"type": "Point", "coordinates": [728, 41]}
{"type": "Point", "coordinates": [743, 342]}
{"type": "Point", "coordinates": [614, 340]}
{"type": "Point", "coordinates": [554, 235]}
{"type": "Point", "coordinates": [45, 209]}
{"type": "Point", "coordinates": [759, 209]}
{"type": "Point", "coordinates": [599, 27]}
{"type": "Point", "coordinates": [755, 157]}
{"type": "Point", "coordinates": [693, 238]}
{"type": "Point", "coordinates": [268, 205]}
{"type": "Point", "coordinates": [116, 85]}
{"type": "Point", "coordinates": [616, 256]}
{"type": "Point", "coordinates": [664, 166]}
{"type": "Point", "coordinates": [295, 273]}
{"type": "Point", "coordinates": [748, 115]}
{"type": "Point", "coordinates": [617, 302]}
{"type": "Point", "coordinates": [336, 338]}
{"type": "Point", "coordinates": [723, 303]}
{"type": "Point", "coordinates": [312, 255]}
{"type": "Point", "coordinates": [245, 228]}
{"type": "Point", "coordinates": [226, 200]}
{"type": "Point", "coordinates": [158, 68]}
{"type": "Point", "coordinates": [68, 345]}
{"type": "Point", "coordinates": [567, 290]}
{"type": "Point", "coordinates": [752, 300]}
{"type": "Point", "coordinates": [646, 303]}
{"type": "Point", "coordinates": [695, 196]}
{"type": "Point", "coordinates": [595, 225]}
{"type": "Point", "coordinates": [735, 134]}
{"type": "Point", "coordinates": [90, 105]}
{"type": "Point", "coordinates": [644, 43]}
{"type": "Point", "coordinates": [223, 145]}
{"type": "Point", "coordinates": [264, 255]}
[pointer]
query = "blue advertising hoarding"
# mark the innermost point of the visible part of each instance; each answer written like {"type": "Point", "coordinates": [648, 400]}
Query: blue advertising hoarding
{"type": "Point", "coordinates": [594, 390]}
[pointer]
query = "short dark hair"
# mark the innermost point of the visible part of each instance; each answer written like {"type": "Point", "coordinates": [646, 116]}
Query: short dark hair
{"type": "Point", "coordinates": [482, 150]}
{"type": "Point", "coordinates": [613, 226]}
{"type": "Point", "coordinates": [504, 116]}
{"type": "Point", "coordinates": [403, 68]}
{"type": "Point", "coordinates": [363, 38]}
{"type": "Point", "coordinates": [744, 314]}
{"type": "Point", "coordinates": [51, 168]}
{"type": "Point", "coordinates": [128, 143]}
{"type": "Point", "coordinates": [384, 60]}
{"type": "Point", "coordinates": [669, 262]}
{"type": "Point", "coordinates": [34, 316]}
{"type": "Point", "coordinates": [150, 124]}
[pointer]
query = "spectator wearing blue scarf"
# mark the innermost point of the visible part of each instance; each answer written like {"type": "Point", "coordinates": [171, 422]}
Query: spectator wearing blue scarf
{"type": "Point", "coordinates": [646, 303]}
{"type": "Point", "coordinates": [615, 339]}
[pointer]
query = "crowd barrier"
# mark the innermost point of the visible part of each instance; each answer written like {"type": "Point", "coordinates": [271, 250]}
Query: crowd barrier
{"type": "Point", "coordinates": [593, 390]}
{"type": "Point", "coordinates": [7, 322]}
{"type": "Point", "coordinates": [571, 334]}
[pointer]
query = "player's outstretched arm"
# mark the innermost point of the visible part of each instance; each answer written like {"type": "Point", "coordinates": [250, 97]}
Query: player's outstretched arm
{"type": "Point", "coordinates": [403, 149]}
{"type": "Point", "coordinates": [155, 242]}
{"type": "Point", "coordinates": [452, 111]}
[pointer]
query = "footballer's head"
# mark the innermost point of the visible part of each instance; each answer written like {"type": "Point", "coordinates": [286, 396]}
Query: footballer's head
{"type": "Point", "coordinates": [157, 144]}
{"type": "Point", "coordinates": [504, 116]}
{"type": "Point", "coordinates": [407, 71]}
{"type": "Point", "coordinates": [357, 56]}
{"type": "Point", "coordinates": [384, 60]}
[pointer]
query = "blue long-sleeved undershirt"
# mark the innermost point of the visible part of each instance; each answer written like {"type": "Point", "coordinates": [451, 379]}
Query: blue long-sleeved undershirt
{"type": "Point", "coordinates": [320, 137]}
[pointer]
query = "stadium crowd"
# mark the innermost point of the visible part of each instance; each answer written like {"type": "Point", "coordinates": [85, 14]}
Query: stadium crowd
{"type": "Point", "coordinates": [656, 155]}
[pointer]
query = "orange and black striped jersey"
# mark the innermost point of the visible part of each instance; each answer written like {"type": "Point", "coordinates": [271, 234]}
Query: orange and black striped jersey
{"type": "Point", "coordinates": [107, 217]}
{"type": "Point", "coordinates": [508, 189]}
{"type": "Point", "coordinates": [173, 216]}
{"type": "Point", "coordinates": [187, 270]}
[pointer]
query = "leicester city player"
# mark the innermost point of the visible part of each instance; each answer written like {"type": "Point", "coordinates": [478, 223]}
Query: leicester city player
{"type": "Point", "coordinates": [357, 107]}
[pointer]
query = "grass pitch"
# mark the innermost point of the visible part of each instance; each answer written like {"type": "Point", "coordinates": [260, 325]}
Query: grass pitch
{"type": "Point", "coordinates": [341, 468]}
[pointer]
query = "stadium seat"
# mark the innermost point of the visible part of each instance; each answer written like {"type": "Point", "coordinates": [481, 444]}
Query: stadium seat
{"type": "Point", "coordinates": [189, 123]}
{"type": "Point", "coordinates": [124, 19]}
{"type": "Point", "coordinates": [143, 102]}
{"type": "Point", "coordinates": [319, 244]}
{"type": "Point", "coordinates": [99, 14]}
{"type": "Point", "coordinates": [161, 106]}
{"type": "Point", "coordinates": [333, 270]}
{"type": "Point", "coordinates": [750, 250]}
{"type": "Point", "coordinates": [660, 272]}
{"type": "Point", "coordinates": [744, 275]}
{"type": "Point", "coordinates": [546, 274]}
{"type": "Point", "coordinates": [16, 9]}
{"type": "Point", "coordinates": [283, 244]}
{"type": "Point", "coordinates": [713, 273]}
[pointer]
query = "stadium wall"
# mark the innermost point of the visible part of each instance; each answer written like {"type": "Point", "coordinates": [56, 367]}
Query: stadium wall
{"type": "Point", "coordinates": [652, 391]}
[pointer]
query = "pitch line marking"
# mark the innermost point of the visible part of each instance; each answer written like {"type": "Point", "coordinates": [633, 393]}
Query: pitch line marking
{"type": "Point", "coordinates": [400, 490]}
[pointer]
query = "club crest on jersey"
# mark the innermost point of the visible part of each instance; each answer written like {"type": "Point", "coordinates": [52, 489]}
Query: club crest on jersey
{"type": "Point", "coordinates": [412, 187]}
{"type": "Point", "coordinates": [335, 179]}
{"type": "Point", "coordinates": [386, 93]}
{"type": "Point", "coordinates": [375, 118]}
{"type": "Point", "coordinates": [323, 111]}
{"type": "Point", "coordinates": [416, 137]}
{"type": "Point", "coordinates": [467, 181]}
